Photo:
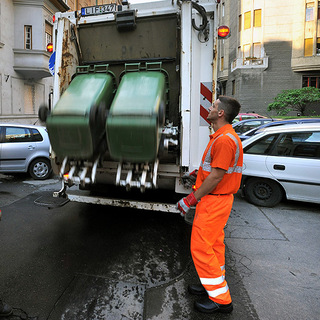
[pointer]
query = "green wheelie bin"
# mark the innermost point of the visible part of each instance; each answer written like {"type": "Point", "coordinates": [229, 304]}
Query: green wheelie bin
{"type": "Point", "coordinates": [76, 125]}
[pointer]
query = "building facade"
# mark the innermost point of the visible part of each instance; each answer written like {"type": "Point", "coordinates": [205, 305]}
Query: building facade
{"type": "Point", "coordinates": [25, 30]}
{"type": "Point", "coordinates": [274, 46]}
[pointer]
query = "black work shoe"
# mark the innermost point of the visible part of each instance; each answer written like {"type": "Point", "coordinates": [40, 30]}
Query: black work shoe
{"type": "Point", "coordinates": [5, 309]}
{"type": "Point", "coordinates": [209, 306]}
{"type": "Point", "coordinates": [197, 289]}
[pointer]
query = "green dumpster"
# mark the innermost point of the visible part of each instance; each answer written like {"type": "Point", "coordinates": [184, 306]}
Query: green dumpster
{"type": "Point", "coordinates": [136, 117]}
{"type": "Point", "coordinates": [76, 125]}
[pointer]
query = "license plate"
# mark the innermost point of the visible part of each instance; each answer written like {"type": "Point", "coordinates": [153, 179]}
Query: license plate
{"type": "Point", "coordinates": [94, 10]}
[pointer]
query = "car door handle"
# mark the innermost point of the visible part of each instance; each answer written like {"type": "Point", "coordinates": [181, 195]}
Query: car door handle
{"type": "Point", "coordinates": [279, 167]}
{"type": "Point", "coordinates": [31, 147]}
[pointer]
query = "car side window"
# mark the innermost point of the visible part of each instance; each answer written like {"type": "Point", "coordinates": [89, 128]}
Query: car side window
{"type": "Point", "coordinates": [300, 144]}
{"type": "Point", "coordinates": [17, 134]}
{"type": "Point", "coordinates": [262, 146]}
{"type": "Point", "coordinates": [307, 145]}
{"type": "Point", "coordinates": [36, 135]}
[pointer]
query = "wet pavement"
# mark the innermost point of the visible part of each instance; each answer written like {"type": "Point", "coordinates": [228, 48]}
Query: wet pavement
{"type": "Point", "coordinates": [87, 262]}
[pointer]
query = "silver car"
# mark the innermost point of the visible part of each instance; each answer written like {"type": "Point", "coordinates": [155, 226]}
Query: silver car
{"type": "Point", "coordinates": [25, 148]}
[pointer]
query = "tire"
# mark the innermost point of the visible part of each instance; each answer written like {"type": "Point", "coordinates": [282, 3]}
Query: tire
{"type": "Point", "coordinates": [263, 192]}
{"type": "Point", "coordinates": [40, 169]}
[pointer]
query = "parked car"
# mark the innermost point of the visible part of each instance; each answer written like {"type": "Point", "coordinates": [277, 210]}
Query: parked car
{"type": "Point", "coordinates": [25, 148]}
{"type": "Point", "coordinates": [255, 130]}
{"type": "Point", "coordinates": [243, 126]}
{"type": "Point", "coordinates": [282, 161]}
{"type": "Point", "coordinates": [247, 115]}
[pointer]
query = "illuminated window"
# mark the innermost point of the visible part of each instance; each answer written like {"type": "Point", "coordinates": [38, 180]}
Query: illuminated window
{"type": "Point", "coordinates": [308, 47]}
{"type": "Point", "coordinates": [240, 22]}
{"type": "Point", "coordinates": [257, 18]}
{"type": "Point", "coordinates": [221, 63]}
{"type": "Point", "coordinates": [247, 20]}
{"type": "Point", "coordinates": [28, 37]}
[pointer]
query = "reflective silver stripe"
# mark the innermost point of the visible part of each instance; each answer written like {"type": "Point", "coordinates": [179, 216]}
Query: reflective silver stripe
{"type": "Point", "coordinates": [222, 268]}
{"type": "Point", "coordinates": [206, 164]}
{"type": "Point", "coordinates": [183, 205]}
{"type": "Point", "coordinates": [212, 281]}
{"type": "Point", "coordinates": [235, 168]}
{"type": "Point", "coordinates": [217, 292]}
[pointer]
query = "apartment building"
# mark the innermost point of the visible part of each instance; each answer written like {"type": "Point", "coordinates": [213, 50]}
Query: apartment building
{"type": "Point", "coordinates": [25, 30]}
{"type": "Point", "coordinates": [274, 46]}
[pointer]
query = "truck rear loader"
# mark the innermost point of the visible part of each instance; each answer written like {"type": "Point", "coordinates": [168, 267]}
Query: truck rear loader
{"type": "Point", "coordinates": [132, 88]}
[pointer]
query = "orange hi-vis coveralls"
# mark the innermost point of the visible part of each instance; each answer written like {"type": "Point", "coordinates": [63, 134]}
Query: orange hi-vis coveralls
{"type": "Point", "coordinates": [224, 151]}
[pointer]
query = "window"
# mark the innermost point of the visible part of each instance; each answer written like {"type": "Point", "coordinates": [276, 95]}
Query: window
{"type": "Point", "coordinates": [15, 134]}
{"type": "Point", "coordinates": [48, 34]}
{"type": "Point", "coordinates": [240, 23]}
{"type": "Point", "coordinates": [318, 10]}
{"type": "Point", "coordinates": [221, 63]}
{"type": "Point", "coordinates": [222, 13]}
{"type": "Point", "coordinates": [257, 50]}
{"type": "Point", "coordinates": [257, 18]}
{"type": "Point", "coordinates": [239, 53]}
{"type": "Point", "coordinates": [247, 20]}
{"type": "Point", "coordinates": [28, 37]}
{"type": "Point", "coordinates": [311, 82]}
{"type": "Point", "coordinates": [233, 87]}
{"type": "Point", "coordinates": [246, 51]}
{"type": "Point", "coordinates": [262, 146]}
{"type": "Point", "coordinates": [308, 47]}
{"type": "Point", "coordinates": [302, 145]}
{"type": "Point", "coordinates": [310, 11]}
{"type": "Point", "coordinates": [36, 135]}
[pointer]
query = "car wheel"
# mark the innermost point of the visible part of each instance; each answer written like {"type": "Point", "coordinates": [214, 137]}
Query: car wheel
{"type": "Point", "coordinates": [263, 192]}
{"type": "Point", "coordinates": [40, 169]}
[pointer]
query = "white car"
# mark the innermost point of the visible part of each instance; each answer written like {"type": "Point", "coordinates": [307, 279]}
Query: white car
{"type": "Point", "coordinates": [282, 161]}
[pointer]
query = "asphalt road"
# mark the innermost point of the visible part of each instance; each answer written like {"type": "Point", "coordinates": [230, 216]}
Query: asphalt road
{"type": "Point", "coordinates": [88, 262]}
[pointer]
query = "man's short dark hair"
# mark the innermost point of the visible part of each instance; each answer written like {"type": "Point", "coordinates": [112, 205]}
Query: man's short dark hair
{"type": "Point", "coordinates": [230, 106]}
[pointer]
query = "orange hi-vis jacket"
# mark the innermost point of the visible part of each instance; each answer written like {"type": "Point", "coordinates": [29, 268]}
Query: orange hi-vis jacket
{"type": "Point", "coordinates": [224, 151]}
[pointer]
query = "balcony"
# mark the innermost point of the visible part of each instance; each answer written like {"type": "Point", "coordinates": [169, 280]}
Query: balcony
{"type": "Point", "coordinates": [32, 64]}
{"type": "Point", "coordinates": [250, 63]}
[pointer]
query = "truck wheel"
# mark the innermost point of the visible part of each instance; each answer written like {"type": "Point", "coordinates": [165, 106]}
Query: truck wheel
{"type": "Point", "coordinates": [40, 169]}
{"type": "Point", "coordinates": [263, 192]}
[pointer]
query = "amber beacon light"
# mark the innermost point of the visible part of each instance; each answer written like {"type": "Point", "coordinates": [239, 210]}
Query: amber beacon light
{"type": "Point", "coordinates": [49, 47]}
{"type": "Point", "coordinates": [223, 32]}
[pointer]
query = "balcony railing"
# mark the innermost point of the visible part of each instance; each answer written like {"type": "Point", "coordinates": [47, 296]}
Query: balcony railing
{"type": "Point", "coordinates": [249, 63]}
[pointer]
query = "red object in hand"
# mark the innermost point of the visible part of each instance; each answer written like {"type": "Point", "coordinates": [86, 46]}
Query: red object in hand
{"type": "Point", "coordinates": [185, 203]}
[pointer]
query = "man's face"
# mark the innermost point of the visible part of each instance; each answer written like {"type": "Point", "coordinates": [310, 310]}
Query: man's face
{"type": "Point", "coordinates": [213, 111]}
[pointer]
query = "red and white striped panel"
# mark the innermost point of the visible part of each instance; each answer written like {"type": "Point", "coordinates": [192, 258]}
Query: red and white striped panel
{"type": "Point", "coordinates": [205, 102]}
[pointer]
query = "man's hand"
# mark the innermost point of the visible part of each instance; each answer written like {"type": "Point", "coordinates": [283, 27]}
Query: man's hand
{"type": "Point", "coordinates": [189, 179]}
{"type": "Point", "coordinates": [185, 203]}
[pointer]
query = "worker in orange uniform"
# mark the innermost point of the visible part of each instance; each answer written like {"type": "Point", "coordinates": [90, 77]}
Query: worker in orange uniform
{"type": "Point", "coordinates": [218, 178]}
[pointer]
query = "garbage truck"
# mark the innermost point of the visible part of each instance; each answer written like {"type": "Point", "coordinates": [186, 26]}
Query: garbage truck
{"type": "Point", "coordinates": [132, 84]}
